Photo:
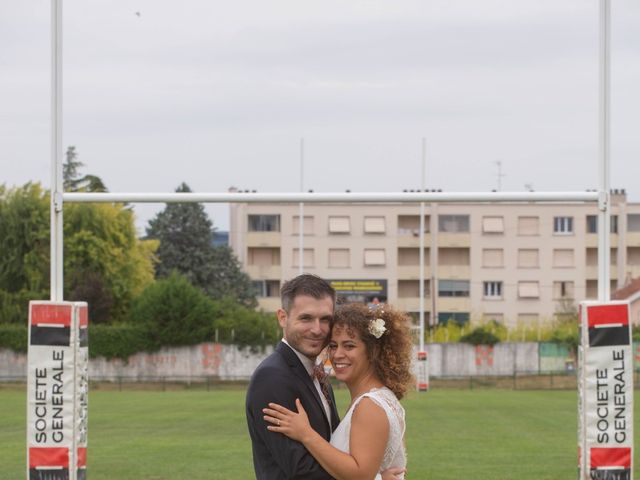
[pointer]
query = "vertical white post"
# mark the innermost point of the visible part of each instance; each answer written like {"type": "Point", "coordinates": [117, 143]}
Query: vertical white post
{"type": "Point", "coordinates": [433, 261]}
{"type": "Point", "coordinates": [422, 372]}
{"type": "Point", "coordinates": [301, 213]}
{"type": "Point", "coordinates": [421, 260]}
{"type": "Point", "coordinates": [56, 272]}
{"type": "Point", "coordinates": [604, 204]}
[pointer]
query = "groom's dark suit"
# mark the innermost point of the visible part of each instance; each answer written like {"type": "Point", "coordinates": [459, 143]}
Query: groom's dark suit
{"type": "Point", "coordinates": [281, 378]}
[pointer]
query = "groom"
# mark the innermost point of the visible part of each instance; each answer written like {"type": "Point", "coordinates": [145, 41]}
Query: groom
{"type": "Point", "coordinates": [305, 316]}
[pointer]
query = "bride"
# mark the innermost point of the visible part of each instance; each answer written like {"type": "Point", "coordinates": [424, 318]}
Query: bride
{"type": "Point", "coordinates": [370, 351]}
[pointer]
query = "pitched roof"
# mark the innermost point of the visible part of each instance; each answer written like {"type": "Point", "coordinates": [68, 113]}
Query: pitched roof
{"type": "Point", "coordinates": [627, 291]}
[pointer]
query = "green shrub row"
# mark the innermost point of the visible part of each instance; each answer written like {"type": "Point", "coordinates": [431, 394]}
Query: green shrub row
{"type": "Point", "coordinates": [169, 312]}
{"type": "Point", "coordinates": [120, 340]}
{"type": "Point", "coordinates": [14, 337]}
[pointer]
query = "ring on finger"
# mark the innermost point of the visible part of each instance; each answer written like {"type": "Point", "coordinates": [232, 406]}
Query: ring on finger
{"type": "Point", "coordinates": [278, 422]}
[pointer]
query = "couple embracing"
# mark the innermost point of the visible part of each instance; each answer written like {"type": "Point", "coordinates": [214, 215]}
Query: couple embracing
{"type": "Point", "coordinates": [291, 412]}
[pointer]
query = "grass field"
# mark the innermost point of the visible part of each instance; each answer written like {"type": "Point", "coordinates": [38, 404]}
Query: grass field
{"type": "Point", "coordinates": [489, 434]}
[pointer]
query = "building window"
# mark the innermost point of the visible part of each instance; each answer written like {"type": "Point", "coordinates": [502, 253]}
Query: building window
{"type": "Point", "coordinates": [374, 225]}
{"type": "Point", "coordinates": [528, 290]}
{"type": "Point", "coordinates": [633, 222]}
{"type": "Point", "coordinates": [374, 257]}
{"type": "Point", "coordinates": [308, 257]}
{"type": "Point", "coordinates": [461, 318]}
{"type": "Point", "coordinates": [563, 290]}
{"type": "Point", "coordinates": [339, 224]}
{"type": "Point", "coordinates": [528, 226]}
{"type": "Point", "coordinates": [307, 225]}
{"type": "Point", "coordinates": [528, 258]}
{"type": "Point", "coordinates": [411, 256]}
{"type": "Point", "coordinates": [563, 258]}
{"type": "Point", "coordinates": [592, 224]}
{"type": "Point", "coordinates": [410, 225]}
{"type": "Point", "coordinates": [264, 223]}
{"type": "Point", "coordinates": [263, 256]}
{"type": "Point", "coordinates": [339, 258]}
{"type": "Point", "coordinates": [492, 225]}
{"type": "Point", "coordinates": [411, 289]}
{"type": "Point", "coordinates": [492, 289]}
{"type": "Point", "coordinates": [633, 256]}
{"type": "Point", "coordinates": [563, 225]}
{"type": "Point", "coordinates": [453, 223]}
{"type": "Point", "coordinates": [492, 257]}
{"type": "Point", "coordinates": [266, 288]}
{"type": "Point", "coordinates": [454, 257]}
{"type": "Point", "coordinates": [453, 288]}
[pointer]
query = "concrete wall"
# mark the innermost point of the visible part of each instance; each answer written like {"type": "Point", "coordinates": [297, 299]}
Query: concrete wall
{"type": "Point", "coordinates": [227, 362]}
{"type": "Point", "coordinates": [463, 360]}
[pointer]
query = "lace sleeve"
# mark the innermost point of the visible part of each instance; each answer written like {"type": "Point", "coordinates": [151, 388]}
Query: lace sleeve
{"type": "Point", "coordinates": [395, 415]}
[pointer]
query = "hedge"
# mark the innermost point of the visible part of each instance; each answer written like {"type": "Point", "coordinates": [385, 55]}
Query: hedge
{"type": "Point", "coordinates": [119, 340]}
{"type": "Point", "coordinates": [14, 337]}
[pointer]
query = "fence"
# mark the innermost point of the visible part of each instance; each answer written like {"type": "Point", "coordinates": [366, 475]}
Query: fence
{"type": "Point", "coordinates": [208, 364]}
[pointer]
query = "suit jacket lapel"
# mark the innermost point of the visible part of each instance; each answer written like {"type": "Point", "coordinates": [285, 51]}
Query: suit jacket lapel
{"type": "Point", "coordinates": [297, 367]}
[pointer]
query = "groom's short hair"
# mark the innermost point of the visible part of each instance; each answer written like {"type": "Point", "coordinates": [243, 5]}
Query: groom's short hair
{"type": "Point", "coordinates": [305, 284]}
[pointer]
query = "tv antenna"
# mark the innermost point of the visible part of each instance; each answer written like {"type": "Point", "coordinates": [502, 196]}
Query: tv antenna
{"type": "Point", "coordinates": [500, 174]}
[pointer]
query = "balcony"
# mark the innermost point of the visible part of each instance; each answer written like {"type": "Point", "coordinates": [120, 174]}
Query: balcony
{"type": "Point", "coordinates": [633, 239]}
{"type": "Point", "coordinates": [591, 272]}
{"type": "Point", "coordinates": [412, 304]}
{"type": "Point", "coordinates": [413, 240]}
{"type": "Point", "coordinates": [264, 272]}
{"type": "Point", "coordinates": [412, 272]}
{"type": "Point", "coordinates": [269, 304]}
{"type": "Point", "coordinates": [591, 240]}
{"type": "Point", "coordinates": [454, 304]}
{"type": "Point", "coordinates": [633, 271]}
{"type": "Point", "coordinates": [454, 271]}
{"type": "Point", "coordinates": [454, 239]}
{"type": "Point", "coordinates": [263, 239]}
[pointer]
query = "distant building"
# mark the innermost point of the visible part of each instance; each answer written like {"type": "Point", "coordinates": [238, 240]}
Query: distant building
{"type": "Point", "coordinates": [515, 263]}
{"type": "Point", "coordinates": [220, 238]}
{"type": "Point", "coordinates": [630, 292]}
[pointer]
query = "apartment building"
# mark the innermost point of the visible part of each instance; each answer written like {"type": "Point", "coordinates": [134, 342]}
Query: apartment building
{"type": "Point", "coordinates": [515, 263]}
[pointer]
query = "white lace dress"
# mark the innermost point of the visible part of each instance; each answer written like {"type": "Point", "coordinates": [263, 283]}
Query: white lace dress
{"type": "Point", "coordinates": [394, 452]}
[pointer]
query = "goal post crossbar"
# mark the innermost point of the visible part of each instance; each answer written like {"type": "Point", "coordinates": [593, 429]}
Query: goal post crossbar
{"type": "Point", "coordinates": [346, 197]}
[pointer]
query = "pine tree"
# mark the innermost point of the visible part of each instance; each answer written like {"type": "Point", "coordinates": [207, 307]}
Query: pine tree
{"type": "Point", "coordinates": [186, 246]}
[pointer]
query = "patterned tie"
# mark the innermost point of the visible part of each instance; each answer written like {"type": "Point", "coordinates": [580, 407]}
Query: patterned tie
{"type": "Point", "coordinates": [323, 380]}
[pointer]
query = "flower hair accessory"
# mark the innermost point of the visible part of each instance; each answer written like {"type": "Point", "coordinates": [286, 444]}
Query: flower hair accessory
{"type": "Point", "coordinates": [376, 327]}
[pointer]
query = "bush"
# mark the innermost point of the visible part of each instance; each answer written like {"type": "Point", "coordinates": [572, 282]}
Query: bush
{"type": "Point", "coordinates": [118, 340]}
{"type": "Point", "coordinates": [635, 333]}
{"type": "Point", "coordinates": [14, 337]}
{"type": "Point", "coordinates": [243, 326]}
{"type": "Point", "coordinates": [174, 312]}
{"type": "Point", "coordinates": [14, 306]}
{"type": "Point", "coordinates": [487, 334]}
{"type": "Point", "coordinates": [566, 333]}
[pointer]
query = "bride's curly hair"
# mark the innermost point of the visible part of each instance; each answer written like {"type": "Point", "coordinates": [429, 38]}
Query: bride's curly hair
{"type": "Point", "coordinates": [390, 354]}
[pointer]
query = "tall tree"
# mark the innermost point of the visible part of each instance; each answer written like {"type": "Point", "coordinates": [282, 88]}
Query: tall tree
{"type": "Point", "coordinates": [71, 178]}
{"type": "Point", "coordinates": [105, 264]}
{"type": "Point", "coordinates": [186, 246]}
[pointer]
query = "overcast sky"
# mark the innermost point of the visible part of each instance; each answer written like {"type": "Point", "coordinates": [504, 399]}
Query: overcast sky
{"type": "Point", "coordinates": [219, 94]}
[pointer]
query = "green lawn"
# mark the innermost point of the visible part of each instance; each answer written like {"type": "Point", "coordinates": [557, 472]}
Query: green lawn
{"type": "Point", "coordinates": [452, 434]}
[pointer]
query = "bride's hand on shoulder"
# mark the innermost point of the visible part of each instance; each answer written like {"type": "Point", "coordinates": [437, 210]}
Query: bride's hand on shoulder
{"type": "Point", "coordinates": [293, 425]}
